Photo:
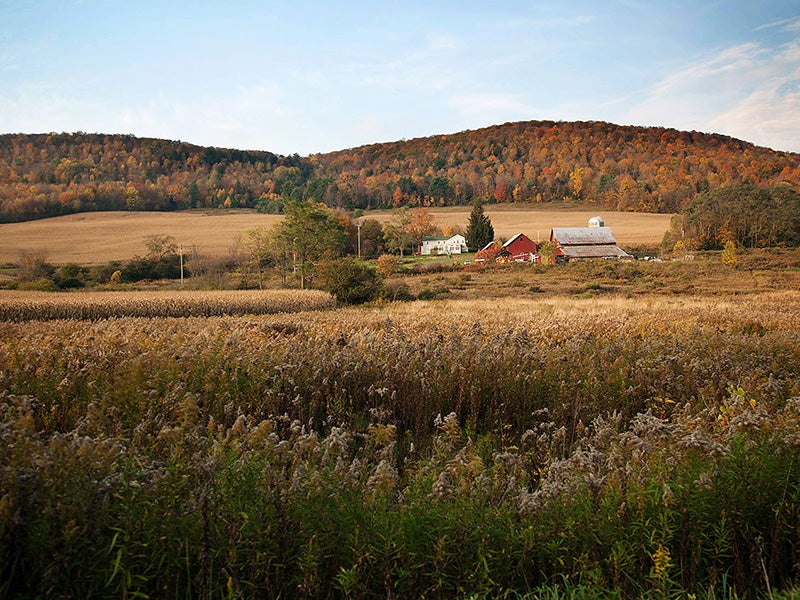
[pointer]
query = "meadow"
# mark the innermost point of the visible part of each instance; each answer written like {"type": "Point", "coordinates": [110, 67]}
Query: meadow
{"type": "Point", "coordinates": [95, 238]}
{"type": "Point", "coordinates": [592, 443]}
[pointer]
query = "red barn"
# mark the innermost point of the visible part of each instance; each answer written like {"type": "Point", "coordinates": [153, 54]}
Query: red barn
{"type": "Point", "coordinates": [519, 248]}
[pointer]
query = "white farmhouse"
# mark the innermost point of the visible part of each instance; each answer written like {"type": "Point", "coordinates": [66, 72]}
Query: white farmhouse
{"type": "Point", "coordinates": [455, 244]}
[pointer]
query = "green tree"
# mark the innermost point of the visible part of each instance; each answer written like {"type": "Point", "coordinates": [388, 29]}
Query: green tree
{"type": "Point", "coordinates": [309, 231]}
{"type": "Point", "coordinates": [440, 188]}
{"type": "Point", "coordinates": [420, 224]}
{"type": "Point", "coordinates": [547, 250]}
{"type": "Point", "coordinates": [317, 189]}
{"type": "Point", "coordinates": [372, 240]}
{"type": "Point", "coordinates": [479, 229]}
{"type": "Point", "coordinates": [261, 253]}
{"type": "Point", "coordinates": [395, 232]}
{"type": "Point", "coordinates": [289, 182]}
{"type": "Point", "coordinates": [350, 281]}
{"type": "Point", "coordinates": [159, 246]}
{"type": "Point", "coordinates": [750, 216]}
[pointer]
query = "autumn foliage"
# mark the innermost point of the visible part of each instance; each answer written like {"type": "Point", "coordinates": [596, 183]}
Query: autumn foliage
{"type": "Point", "coordinates": [622, 168]}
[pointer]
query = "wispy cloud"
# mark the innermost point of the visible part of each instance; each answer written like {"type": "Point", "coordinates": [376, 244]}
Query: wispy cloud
{"type": "Point", "coordinates": [746, 91]}
{"type": "Point", "coordinates": [244, 116]}
{"type": "Point", "coordinates": [792, 24]}
{"type": "Point", "coordinates": [424, 68]}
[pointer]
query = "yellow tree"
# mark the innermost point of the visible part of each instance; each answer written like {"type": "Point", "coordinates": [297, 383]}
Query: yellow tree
{"type": "Point", "coordinates": [420, 225]}
{"type": "Point", "coordinates": [729, 254]}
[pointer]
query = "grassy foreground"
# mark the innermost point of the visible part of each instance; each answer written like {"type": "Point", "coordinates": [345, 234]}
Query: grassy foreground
{"type": "Point", "coordinates": [559, 447]}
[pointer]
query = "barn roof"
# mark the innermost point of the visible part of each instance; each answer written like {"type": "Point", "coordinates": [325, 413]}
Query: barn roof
{"type": "Point", "coordinates": [569, 236]}
{"type": "Point", "coordinates": [514, 239]}
{"type": "Point", "coordinates": [594, 251]}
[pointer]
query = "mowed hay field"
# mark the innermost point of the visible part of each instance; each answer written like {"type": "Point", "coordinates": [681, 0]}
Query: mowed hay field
{"type": "Point", "coordinates": [95, 238]}
{"type": "Point", "coordinates": [630, 229]}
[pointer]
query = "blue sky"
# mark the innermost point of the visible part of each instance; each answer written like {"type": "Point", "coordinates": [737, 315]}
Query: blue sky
{"type": "Point", "coordinates": [308, 77]}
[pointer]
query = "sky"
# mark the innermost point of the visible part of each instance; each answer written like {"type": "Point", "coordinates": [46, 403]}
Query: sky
{"type": "Point", "coordinates": [307, 77]}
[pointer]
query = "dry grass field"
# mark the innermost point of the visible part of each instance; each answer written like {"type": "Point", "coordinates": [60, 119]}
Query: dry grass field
{"type": "Point", "coordinates": [95, 238]}
{"type": "Point", "coordinates": [630, 229]}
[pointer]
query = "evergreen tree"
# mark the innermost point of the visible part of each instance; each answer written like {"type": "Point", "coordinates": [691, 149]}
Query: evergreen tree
{"type": "Point", "coordinates": [479, 230]}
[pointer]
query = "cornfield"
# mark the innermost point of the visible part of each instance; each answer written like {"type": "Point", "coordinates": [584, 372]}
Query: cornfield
{"type": "Point", "coordinates": [540, 448]}
{"type": "Point", "coordinates": [27, 306]}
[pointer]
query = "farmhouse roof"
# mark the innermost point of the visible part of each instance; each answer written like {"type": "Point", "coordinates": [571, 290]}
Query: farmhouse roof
{"type": "Point", "coordinates": [581, 236]}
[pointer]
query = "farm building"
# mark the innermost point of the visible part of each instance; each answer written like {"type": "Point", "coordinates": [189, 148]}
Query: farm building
{"type": "Point", "coordinates": [455, 244]}
{"type": "Point", "coordinates": [518, 249]}
{"type": "Point", "coordinates": [595, 241]}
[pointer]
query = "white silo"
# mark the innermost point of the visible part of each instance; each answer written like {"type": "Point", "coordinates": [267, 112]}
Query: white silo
{"type": "Point", "coordinates": [597, 222]}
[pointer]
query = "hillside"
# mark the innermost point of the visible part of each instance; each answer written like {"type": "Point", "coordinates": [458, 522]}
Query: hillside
{"type": "Point", "coordinates": [621, 168]}
{"type": "Point", "coordinates": [609, 166]}
{"type": "Point", "coordinates": [46, 175]}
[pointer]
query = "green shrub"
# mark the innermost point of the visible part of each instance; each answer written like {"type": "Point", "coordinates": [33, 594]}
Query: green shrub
{"type": "Point", "coordinates": [37, 285]}
{"type": "Point", "coordinates": [151, 268]}
{"type": "Point", "coordinates": [349, 280]}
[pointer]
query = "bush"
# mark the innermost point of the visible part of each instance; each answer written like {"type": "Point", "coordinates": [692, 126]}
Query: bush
{"type": "Point", "coordinates": [396, 291]}
{"type": "Point", "coordinates": [70, 276]}
{"type": "Point", "coordinates": [140, 269]}
{"type": "Point", "coordinates": [388, 264]}
{"type": "Point", "coordinates": [36, 285]}
{"type": "Point", "coordinates": [350, 281]}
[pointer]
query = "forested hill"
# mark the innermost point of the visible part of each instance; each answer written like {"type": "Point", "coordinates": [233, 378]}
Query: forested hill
{"type": "Point", "coordinates": [627, 168]}
{"type": "Point", "coordinates": [43, 175]}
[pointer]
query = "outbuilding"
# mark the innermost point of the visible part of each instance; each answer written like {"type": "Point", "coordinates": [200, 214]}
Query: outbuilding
{"type": "Point", "coordinates": [595, 241]}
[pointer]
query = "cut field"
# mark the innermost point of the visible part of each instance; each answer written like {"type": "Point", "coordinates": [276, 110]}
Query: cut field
{"type": "Point", "coordinates": [630, 229]}
{"type": "Point", "coordinates": [96, 238]}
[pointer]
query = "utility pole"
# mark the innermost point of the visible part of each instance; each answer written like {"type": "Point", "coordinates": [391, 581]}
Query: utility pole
{"type": "Point", "coordinates": [358, 225]}
{"type": "Point", "coordinates": [180, 250]}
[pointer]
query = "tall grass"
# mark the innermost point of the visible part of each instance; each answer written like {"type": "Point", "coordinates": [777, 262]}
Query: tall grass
{"type": "Point", "coordinates": [574, 448]}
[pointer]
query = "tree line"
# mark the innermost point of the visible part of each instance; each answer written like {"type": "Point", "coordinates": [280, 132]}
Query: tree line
{"type": "Point", "coordinates": [622, 168]}
{"type": "Point", "coordinates": [744, 215]}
